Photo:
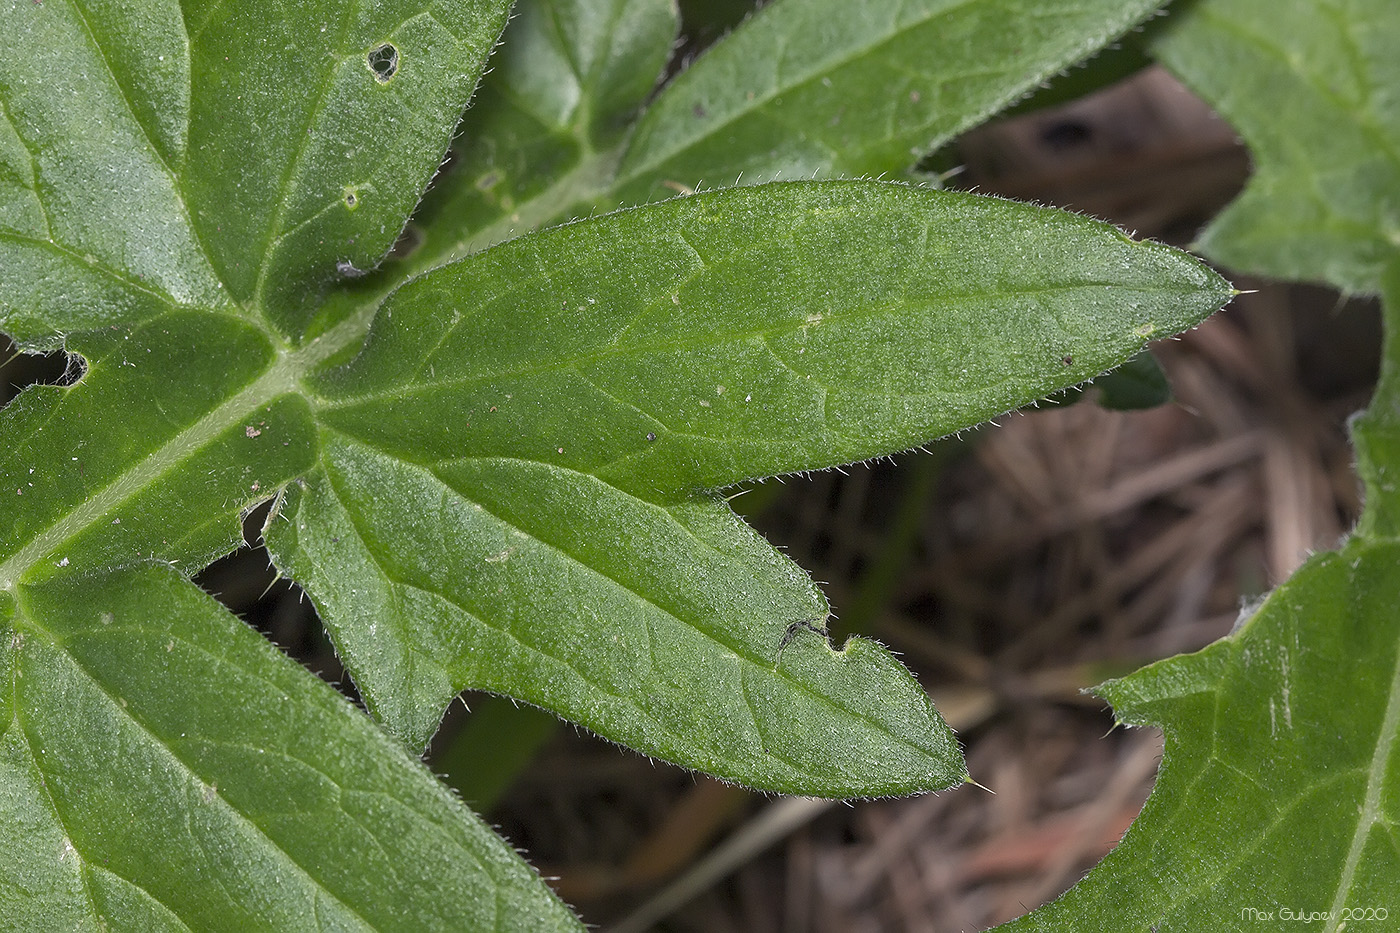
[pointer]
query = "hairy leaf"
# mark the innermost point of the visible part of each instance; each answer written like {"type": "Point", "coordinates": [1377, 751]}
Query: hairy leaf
{"type": "Point", "coordinates": [1137, 384]}
{"type": "Point", "coordinates": [756, 331]}
{"type": "Point", "coordinates": [152, 181]}
{"type": "Point", "coordinates": [566, 558]}
{"type": "Point", "coordinates": [841, 87]}
{"type": "Point", "coordinates": [94, 228]}
{"type": "Point", "coordinates": [1278, 788]}
{"type": "Point", "coordinates": [307, 153]}
{"type": "Point", "coordinates": [657, 627]}
{"type": "Point", "coordinates": [805, 88]}
{"type": "Point", "coordinates": [119, 469]}
{"type": "Point", "coordinates": [512, 486]}
{"type": "Point", "coordinates": [198, 155]}
{"type": "Point", "coordinates": [1311, 86]}
{"type": "Point", "coordinates": [250, 795]}
{"type": "Point", "coordinates": [543, 134]}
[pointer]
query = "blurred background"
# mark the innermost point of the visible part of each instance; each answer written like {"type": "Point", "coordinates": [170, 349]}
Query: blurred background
{"type": "Point", "coordinates": [1011, 567]}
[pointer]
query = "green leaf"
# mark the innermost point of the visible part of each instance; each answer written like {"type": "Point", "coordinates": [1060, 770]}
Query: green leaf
{"type": "Point", "coordinates": [567, 559]}
{"type": "Point", "coordinates": [1310, 86]}
{"type": "Point", "coordinates": [543, 133]}
{"type": "Point", "coordinates": [250, 795]}
{"type": "Point", "coordinates": [1278, 797]}
{"type": "Point", "coordinates": [93, 226]}
{"type": "Point", "coordinates": [804, 88]}
{"type": "Point", "coordinates": [234, 163]}
{"type": "Point", "coordinates": [656, 627]}
{"type": "Point", "coordinates": [307, 154]}
{"type": "Point", "coordinates": [512, 486]}
{"type": "Point", "coordinates": [589, 66]}
{"type": "Point", "coordinates": [1278, 788]}
{"type": "Point", "coordinates": [757, 331]}
{"type": "Point", "coordinates": [861, 88]}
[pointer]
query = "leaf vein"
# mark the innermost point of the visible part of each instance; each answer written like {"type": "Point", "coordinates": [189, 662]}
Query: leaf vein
{"type": "Point", "coordinates": [302, 146]}
{"type": "Point", "coordinates": [711, 339]}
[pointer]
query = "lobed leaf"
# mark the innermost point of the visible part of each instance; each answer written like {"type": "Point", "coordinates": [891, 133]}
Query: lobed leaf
{"type": "Point", "coordinates": [756, 331]}
{"type": "Point", "coordinates": [1279, 790]}
{"type": "Point", "coordinates": [307, 154]}
{"type": "Point", "coordinates": [657, 627]}
{"type": "Point", "coordinates": [1310, 86]}
{"type": "Point", "coordinates": [94, 229]}
{"type": "Point", "coordinates": [168, 155]}
{"type": "Point", "coordinates": [1278, 794]}
{"type": "Point", "coordinates": [509, 487]}
{"type": "Point", "coordinates": [561, 421]}
{"type": "Point", "coordinates": [130, 466]}
{"type": "Point", "coordinates": [250, 795]}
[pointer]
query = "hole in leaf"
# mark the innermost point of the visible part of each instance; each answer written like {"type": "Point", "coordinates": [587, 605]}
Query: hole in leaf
{"type": "Point", "coordinates": [383, 61]}
{"type": "Point", "coordinates": [352, 198]}
{"type": "Point", "coordinates": [19, 370]}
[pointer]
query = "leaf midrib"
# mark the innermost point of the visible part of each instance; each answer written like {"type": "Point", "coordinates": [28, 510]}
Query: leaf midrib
{"type": "Point", "coordinates": [1372, 812]}
{"type": "Point", "coordinates": [282, 377]}
{"type": "Point", "coordinates": [707, 340]}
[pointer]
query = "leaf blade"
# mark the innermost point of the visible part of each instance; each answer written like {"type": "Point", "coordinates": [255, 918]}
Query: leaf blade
{"type": "Point", "coordinates": [634, 627]}
{"type": "Point", "coordinates": [295, 786]}
{"type": "Point", "coordinates": [1278, 787]}
{"type": "Point", "coordinates": [89, 194]}
{"type": "Point", "coordinates": [508, 437]}
{"type": "Point", "coordinates": [840, 88]}
{"type": "Point", "coordinates": [542, 133]}
{"type": "Point", "coordinates": [126, 466]}
{"type": "Point", "coordinates": [294, 192]}
{"type": "Point", "coordinates": [566, 179]}
{"type": "Point", "coordinates": [1279, 779]}
{"type": "Point", "coordinates": [1270, 793]}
